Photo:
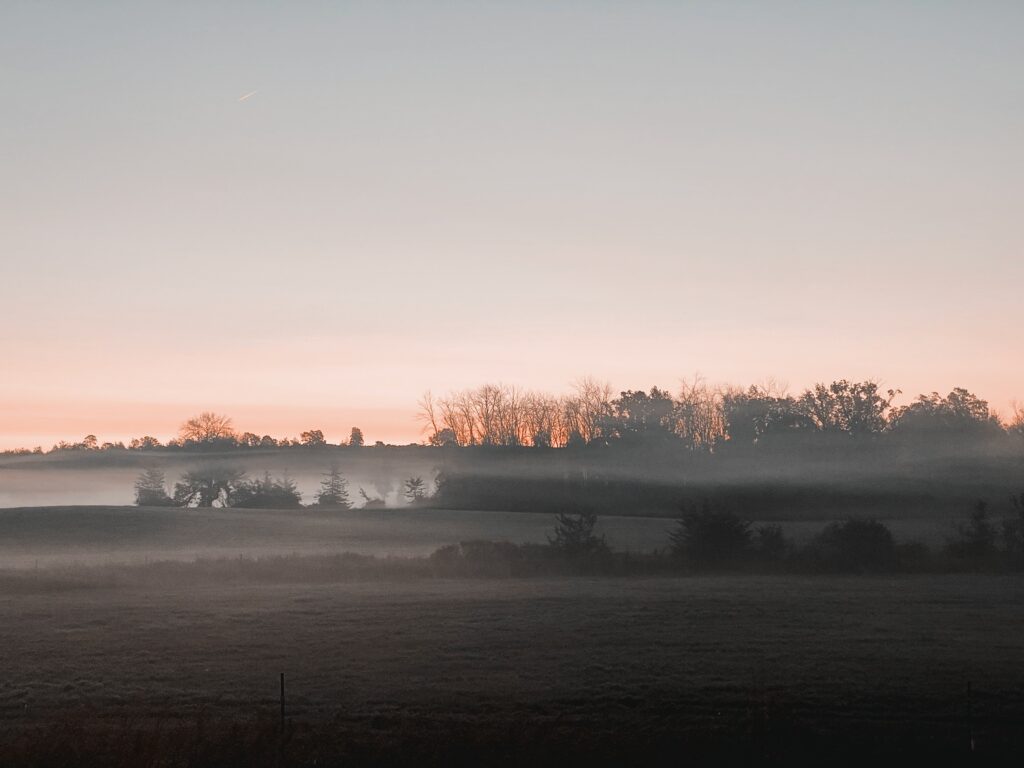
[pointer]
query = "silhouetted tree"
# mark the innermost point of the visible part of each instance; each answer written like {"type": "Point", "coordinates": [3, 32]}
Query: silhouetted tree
{"type": "Point", "coordinates": [574, 534]}
{"type": "Point", "coordinates": [151, 489]}
{"type": "Point", "coordinates": [855, 545]}
{"type": "Point", "coordinates": [709, 536]}
{"type": "Point", "coordinates": [248, 440]}
{"type": "Point", "coordinates": [356, 437]}
{"type": "Point", "coordinates": [415, 490]}
{"type": "Point", "coordinates": [334, 490]}
{"type": "Point", "coordinates": [146, 443]}
{"type": "Point", "coordinates": [960, 414]}
{"type": "Point", "coordinates": [207, 429]}
{"type": "Point", "coordinates": [854, 408]}
{"type": "Point", "coordinates": [756, 413]}
{"type": "Point", "coordinates": [267, 493]}
{"type": "Point", "coordinates": [314, 438]}
{"type": "Point", "coordinates": [641, 417]}
{"type": "Point", "coordinates": [207, 486]}
{"type": "Point", "coordinates": [699, 414]}
{"type": "Point", "coordinates": [445, 437]}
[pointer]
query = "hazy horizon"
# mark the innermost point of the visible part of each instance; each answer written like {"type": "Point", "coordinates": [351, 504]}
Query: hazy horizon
{"type": "Point", "coordinates": [305, 217]}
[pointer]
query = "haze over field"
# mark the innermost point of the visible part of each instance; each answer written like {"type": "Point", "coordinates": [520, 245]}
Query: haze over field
{"type": "Point", "coordinates": [285, 212]}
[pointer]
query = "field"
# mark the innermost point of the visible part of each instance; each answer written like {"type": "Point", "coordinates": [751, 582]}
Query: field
{"type": "Point", "coordinates": [113, 660]}
{"type": "Point", "coordinates": [775, 668]}
{"type": "Point", "coordinates": [42, 536]}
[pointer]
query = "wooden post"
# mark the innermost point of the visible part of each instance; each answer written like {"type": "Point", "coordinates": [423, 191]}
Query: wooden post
{"type": "Point", "coordinates": [970, 717]}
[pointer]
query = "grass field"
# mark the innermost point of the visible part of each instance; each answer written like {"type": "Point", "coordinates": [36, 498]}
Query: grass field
{"type": "Point", "coordinates": [41, 536]}
{"type": "Point", "coordinates": [771, 667]}
{"type": "Point", "coordinates": [111, 661]}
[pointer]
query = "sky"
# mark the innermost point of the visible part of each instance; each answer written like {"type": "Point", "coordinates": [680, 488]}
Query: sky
{"type": "Point", "coordinates": [306, 214]}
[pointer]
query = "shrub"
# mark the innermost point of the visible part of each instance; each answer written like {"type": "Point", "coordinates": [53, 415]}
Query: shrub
{"type": "Point", "coordinates": [709, 536]}
{"type": "Point", "coordinates": [574, 534]}
{"type": "Point", "coordinates": [855, 545]}
{"type": "Point", "coordinates": [268, 493]}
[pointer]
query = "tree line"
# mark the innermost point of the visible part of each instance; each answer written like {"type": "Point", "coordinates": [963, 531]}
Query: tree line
{"type": "Point", "coordinates": [698, 417]}
{"type": "Point", "coordinates": [225, 485]}
{"type": "Point", "coordinates": [703, 417]}
{"type": "Point", "coordinates": [205, 431]}
{"type": "Point", "coordinates": [707, 537]}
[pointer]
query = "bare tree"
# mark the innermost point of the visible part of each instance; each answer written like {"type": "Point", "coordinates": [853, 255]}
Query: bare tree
{"type": "Point", "coordinates": [700, 415]}
{"type": "Point", "coordinates": [207, 427]}
{"type": "Point", "coordinates": [427, 413]}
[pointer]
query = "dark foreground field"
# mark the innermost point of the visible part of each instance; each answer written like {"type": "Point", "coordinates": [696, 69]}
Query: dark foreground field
{"type": "Point", "coordinates": [734, 669]}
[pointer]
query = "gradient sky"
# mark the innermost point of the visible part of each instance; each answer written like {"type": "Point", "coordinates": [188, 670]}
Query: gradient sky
{"type": "Point", "coordinates": [434, 195]}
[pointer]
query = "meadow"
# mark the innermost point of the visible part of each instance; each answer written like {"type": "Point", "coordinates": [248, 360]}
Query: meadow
{"type": "Point", "coordinates": [51, 536]}
{"type": "Point", "coordinates": [498, 671]}
{"type": "Point", "coordinates": [155, 636]}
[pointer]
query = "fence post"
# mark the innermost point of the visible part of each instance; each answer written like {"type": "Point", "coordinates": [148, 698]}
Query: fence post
{"type": "Point", "coordinates": [282, 703]}
{"type": "Point", "coordinates": [970, 717]}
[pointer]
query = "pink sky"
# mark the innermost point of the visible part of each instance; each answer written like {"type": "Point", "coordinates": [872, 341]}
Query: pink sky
{"type": "Point", "coordinates": [452, 195]}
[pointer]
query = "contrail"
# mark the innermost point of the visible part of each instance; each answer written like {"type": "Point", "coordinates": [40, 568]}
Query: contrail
{"type": "Point", "coordinates": [246, 96]}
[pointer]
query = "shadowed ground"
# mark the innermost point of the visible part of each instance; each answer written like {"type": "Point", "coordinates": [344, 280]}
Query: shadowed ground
{"type": "Point", "coordinates": [768, 668]}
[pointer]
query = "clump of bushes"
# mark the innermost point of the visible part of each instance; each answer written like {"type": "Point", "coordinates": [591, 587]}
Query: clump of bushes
{"type": "Point", "coordinates": [574, 535]}
{"type": "Point", "coordinates": [853, 545]}
{"type": "Point", "coordinates": [267, 493]}
{"type": "Point", "coordinates": [710, 537]}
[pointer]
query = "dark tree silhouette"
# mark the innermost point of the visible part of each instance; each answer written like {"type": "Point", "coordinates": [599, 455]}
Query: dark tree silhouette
{"type": "Point", "coordinates": [853, 408]}
{"type": "Point", "coordinates": [356, 437]}
{"type": "Point", "coordinates": [267, 493]}
{"type": "Point", "coordinates": [638, 416]}
{"type": "Point", "coordinates": [151, 489]}
{"type": "Point", "coordinates": [855, 545]}
{"type": "Point", "coordinates": [415, 490]}
{"type": "Point", "coordinates": [709, 536]}
{"type": "Point", "coordinates": [207, 429]}
{"type": "Point", "coordinates": [334, 490]}
{"type": "Point", "coordinates": [314, 438]}
{"type": "Point", "coordinates": [960, 414]}
{"type": "Point", "coordinates": [208, 486]}
{"type": "Point", "coordinates": [147, 443]}
{"type": "Point", "coordinates": [574, 534]}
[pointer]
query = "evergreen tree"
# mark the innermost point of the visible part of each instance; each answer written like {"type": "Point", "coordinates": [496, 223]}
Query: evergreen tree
{"type": "Point", "coordinates": [574, 534]}
{"type": "Point", "coordinates": [151, 489]}
{"type": "Point", "coordinates": [334, 490]}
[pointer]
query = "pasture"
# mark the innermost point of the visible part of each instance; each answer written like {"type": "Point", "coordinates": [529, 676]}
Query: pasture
{"type": "Point", "coordinates": [43, 536]}
{"type": "Point", "coordinates": [122, 648]}
{"type": "Point", "coordinates": [431, 671]}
